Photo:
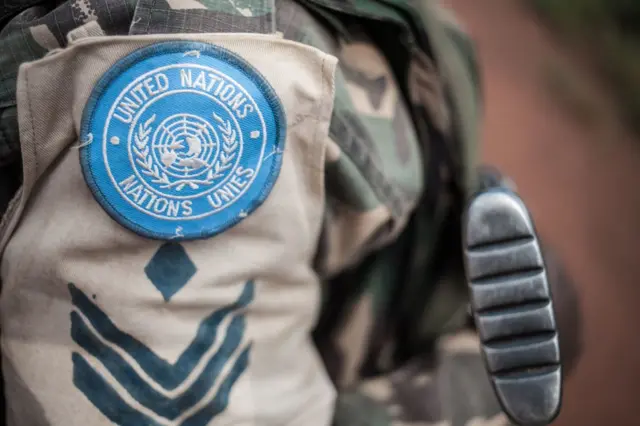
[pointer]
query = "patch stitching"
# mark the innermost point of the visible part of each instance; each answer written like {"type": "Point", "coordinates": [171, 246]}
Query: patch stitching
{"type": "Point", "coordinates": [262, 183]}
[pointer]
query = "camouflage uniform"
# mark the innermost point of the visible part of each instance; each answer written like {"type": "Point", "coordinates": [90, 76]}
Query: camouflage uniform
{"type": "Point", "coordinates": [399, 166]}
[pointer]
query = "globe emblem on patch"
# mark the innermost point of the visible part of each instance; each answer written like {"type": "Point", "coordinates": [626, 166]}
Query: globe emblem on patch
{"type": "Point", "coordinates": [187, 150]}
{"type": "Point", "coordinates": [185, 140]}
{"type": "Point", "coordinates": [187, 146]}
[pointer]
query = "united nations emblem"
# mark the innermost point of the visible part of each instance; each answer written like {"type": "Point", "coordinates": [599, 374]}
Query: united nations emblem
{"type": "Point", "coordinates": [182, 140]}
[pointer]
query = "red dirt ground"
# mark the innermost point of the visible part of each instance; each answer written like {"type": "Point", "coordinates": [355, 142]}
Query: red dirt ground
{"type": "Point", "coordinates": [581, 183]}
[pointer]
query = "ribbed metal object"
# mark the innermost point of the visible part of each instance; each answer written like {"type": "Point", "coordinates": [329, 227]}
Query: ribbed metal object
{"type": "Point", "coordinates": [513, 307]}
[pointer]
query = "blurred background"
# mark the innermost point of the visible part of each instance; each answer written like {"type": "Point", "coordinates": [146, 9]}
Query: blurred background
{"type": "Point", "coordinates": [562, 86]}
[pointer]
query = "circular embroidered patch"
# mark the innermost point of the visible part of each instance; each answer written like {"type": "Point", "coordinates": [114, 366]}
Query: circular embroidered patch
{"type": "Point", "coordinates": [182, 140]}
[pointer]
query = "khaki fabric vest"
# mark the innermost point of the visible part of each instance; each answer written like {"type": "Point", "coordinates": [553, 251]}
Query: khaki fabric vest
{"type": "Point", "coordinates": [92, 335]}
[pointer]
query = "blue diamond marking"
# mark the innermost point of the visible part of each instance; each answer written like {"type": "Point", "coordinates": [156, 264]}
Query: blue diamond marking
{"type": "Point", "coordinates": [170, 269]}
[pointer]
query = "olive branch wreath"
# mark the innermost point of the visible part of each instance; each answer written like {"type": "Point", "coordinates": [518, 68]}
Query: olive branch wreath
{"type": "Point", "coordinates": [145, 160]}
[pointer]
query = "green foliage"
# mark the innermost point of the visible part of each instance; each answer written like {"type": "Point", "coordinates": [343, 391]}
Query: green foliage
{"type": "Point", "coordinates": [610, 31]}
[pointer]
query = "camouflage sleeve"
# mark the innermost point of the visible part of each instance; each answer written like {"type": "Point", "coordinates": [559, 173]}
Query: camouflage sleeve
{"type": "Point", "coordinates": [412, 290]}
{"type": "Point", "coordinates": [384, 319]}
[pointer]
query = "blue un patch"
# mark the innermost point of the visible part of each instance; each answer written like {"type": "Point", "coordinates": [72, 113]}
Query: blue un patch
{"type": "Point", "coordinates": [183, 140]}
